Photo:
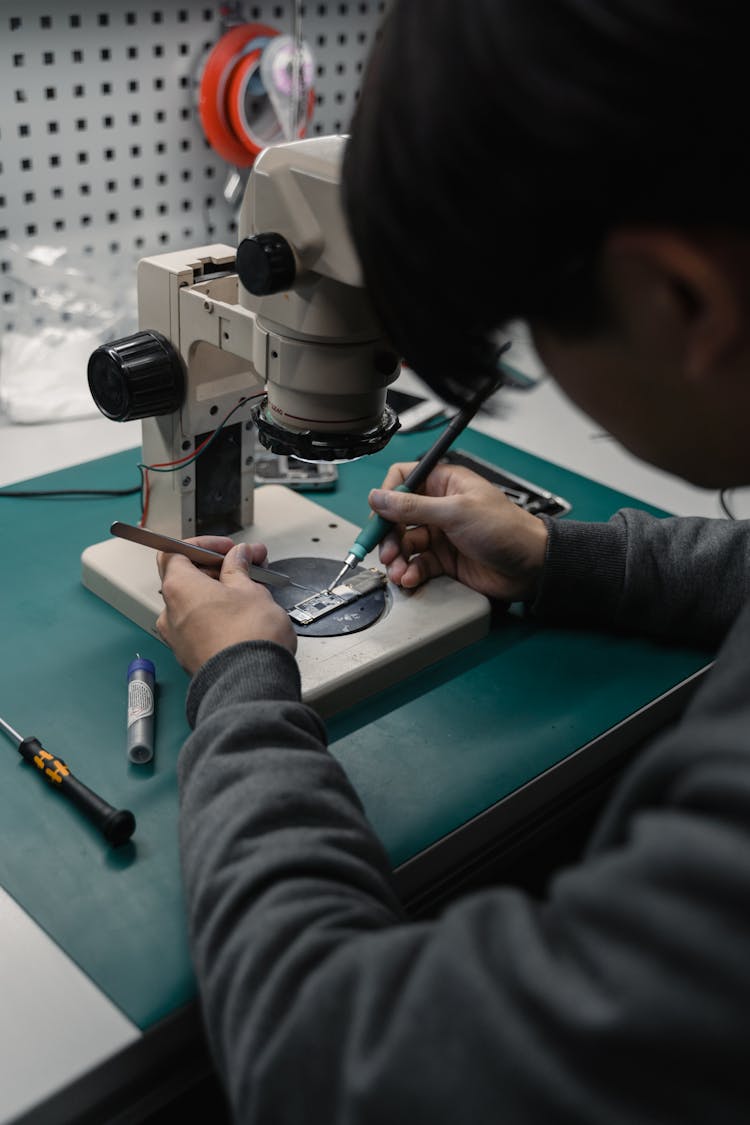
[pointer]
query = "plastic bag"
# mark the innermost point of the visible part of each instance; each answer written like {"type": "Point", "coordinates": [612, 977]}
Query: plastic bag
{"type": "Point", "coordinates": [64, 308]}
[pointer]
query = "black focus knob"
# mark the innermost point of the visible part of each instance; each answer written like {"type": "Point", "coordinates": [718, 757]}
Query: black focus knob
{"type": "Point", "coordinates": [139, 376]}
{"type": "Point", "coordinates": [265, 264]}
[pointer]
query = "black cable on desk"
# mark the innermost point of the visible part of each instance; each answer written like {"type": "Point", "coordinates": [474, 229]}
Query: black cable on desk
{"type": "Point", "coordinates": [24, 494]}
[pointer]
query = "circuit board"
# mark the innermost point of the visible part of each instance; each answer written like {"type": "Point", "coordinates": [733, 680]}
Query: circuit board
{"type": "Point", "coordinates": [349, 608]}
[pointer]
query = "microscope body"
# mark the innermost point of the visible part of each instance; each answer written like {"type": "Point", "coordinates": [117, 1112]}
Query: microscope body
{"type": "Point", "coordinates": [307, 358]}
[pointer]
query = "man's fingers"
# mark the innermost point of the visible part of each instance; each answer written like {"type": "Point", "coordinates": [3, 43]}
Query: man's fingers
{"type": "Point", "coordinates": [257, 553]}
{"type": "Point", "coordinates": [220, 543]}
{"type": "Point", "coordinates": [412, 508]}
{"type": "Point", "coordinates": [420, 569]}
{"type": "Point", "coordinates": [174, 568]}
{"type": "Point", "coordinates": [390, 547]}
{"type": "Point", "coordinates": [235, 568]}
{"type": "Point", "coordinates": [404, 544]}
{"type": "Point", "coordinates": [162, 625]}
{"type": "Point", "coordinates": [415, 540]}
{"type": "Point", "coordinates": [397, 474]}
{"type": "Point", "coordinates": [223, 545]}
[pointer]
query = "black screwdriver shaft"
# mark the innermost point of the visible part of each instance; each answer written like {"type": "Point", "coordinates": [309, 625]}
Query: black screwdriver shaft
{"type": "Point", "coordinates": [116, 825]}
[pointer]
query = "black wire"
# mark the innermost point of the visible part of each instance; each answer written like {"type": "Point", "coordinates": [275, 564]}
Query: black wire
{"type": "Point", "coordinates": [23, 494]}
{"type": "Point", "coordinates": [28, 494]}
{"type": "Point", "coordinates": [724, 505]}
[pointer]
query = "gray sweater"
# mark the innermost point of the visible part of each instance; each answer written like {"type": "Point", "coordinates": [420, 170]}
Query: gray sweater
{"type": "Point", "coordinates": [622, 997]}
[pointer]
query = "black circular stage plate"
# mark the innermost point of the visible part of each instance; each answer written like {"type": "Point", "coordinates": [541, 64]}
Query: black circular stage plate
{"type": "Point", "coordinates": [315, 574]}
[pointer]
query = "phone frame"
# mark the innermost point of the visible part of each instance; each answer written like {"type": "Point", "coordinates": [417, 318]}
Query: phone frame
{"type": "Point", "coordinates": [415, 410]}
{"type": "Point", "coordinates": [301, 476]}
{"type": "Point", "coordinates": [532, 497]}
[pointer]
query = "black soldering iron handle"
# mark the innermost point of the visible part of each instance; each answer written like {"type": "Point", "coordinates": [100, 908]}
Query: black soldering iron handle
{"type": "Point", "coordinates": [377, 527]}
{"type": "Point", "coordinates": [456, 426]}
{"type": "Point", "coordinates": [116, 825]}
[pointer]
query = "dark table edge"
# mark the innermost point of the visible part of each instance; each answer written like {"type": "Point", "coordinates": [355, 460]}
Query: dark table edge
{"type": "Point", "coordinates": [437, 867]}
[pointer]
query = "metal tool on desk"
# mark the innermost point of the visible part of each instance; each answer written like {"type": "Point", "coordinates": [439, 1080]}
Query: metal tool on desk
{"type": "Point", "coordinates": [116, 825]}
{"type": "Point", "coordinates": [275, 341]}
{"type": "Point", "coordinates": [376, 528]}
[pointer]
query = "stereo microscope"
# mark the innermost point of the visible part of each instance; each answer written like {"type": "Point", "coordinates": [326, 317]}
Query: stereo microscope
{"type": "Point", "coordinates": [275, 342]}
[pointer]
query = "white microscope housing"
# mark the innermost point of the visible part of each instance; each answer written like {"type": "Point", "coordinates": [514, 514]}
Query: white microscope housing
{"type": "Point", "coordinates": [279, 334]}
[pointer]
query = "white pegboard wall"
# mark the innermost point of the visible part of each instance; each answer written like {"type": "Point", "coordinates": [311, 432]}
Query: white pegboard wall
{"type": "Point", "coordinates": [101, 149]}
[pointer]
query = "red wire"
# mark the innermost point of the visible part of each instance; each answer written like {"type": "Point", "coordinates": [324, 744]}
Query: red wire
{"type": "Point", "coordinates": [187, 457]}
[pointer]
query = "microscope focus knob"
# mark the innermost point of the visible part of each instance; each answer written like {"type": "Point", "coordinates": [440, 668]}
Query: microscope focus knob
{"type": "Point", "coordinates": [138, 376]}
{"type": "Point", "coordinates": [265, 264]}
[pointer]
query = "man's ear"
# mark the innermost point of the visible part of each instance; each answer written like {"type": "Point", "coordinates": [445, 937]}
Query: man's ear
{"type": "Point", "coordinates": [695, 280]}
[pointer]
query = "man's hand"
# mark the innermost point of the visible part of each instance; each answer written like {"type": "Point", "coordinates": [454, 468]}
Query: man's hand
{"type": "Point", "coordinates": [464, 527]}
{"type": "Point", "coordinates": [207, 612]}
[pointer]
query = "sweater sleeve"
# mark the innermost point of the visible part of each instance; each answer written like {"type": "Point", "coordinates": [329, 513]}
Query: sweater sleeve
{"type": "Point", "coordinates": [323, 1003]}
{"type": "Point", "coordinates": [678, 578]}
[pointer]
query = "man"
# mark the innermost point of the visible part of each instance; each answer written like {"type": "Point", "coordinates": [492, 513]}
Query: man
{"type": "Point", "coordinates": [595, 182]}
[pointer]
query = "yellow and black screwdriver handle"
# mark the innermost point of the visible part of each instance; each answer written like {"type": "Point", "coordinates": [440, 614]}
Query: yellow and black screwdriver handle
{"type": "Point", "coordinates": [116, 825]}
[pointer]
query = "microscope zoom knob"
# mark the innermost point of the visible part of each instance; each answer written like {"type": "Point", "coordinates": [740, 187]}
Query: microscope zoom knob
{"type": "Point", "coordinates": [138, 376]}
{"type": "Point", "coordinates": [265, 264]}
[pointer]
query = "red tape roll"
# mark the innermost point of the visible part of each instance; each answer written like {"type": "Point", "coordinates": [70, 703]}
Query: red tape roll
{"type": "Point", "coordinates": [242, 129]}
{"type": "Point", "coordinates": [222, 101]}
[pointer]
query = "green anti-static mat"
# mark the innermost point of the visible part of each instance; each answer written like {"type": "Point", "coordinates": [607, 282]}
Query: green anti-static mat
{"type": "Point", "coordinates": [426, 756]}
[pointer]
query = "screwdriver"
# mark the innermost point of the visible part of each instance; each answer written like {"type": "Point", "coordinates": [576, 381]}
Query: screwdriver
{"type": "Point", "coordinates": [116, 825]}
{"type": "Point", "coordinates": [376, 528]}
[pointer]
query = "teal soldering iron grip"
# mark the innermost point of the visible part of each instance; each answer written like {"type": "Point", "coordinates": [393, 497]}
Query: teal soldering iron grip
{"type": "Point", "coordinates": [374, 531]}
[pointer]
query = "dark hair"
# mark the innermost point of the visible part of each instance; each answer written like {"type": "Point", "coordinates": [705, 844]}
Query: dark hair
{"type": "Point", "coordinates": [497, 141]}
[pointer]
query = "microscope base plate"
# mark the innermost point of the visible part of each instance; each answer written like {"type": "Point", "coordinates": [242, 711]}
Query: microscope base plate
{"type": "Point", "coordinates": [416, 629]}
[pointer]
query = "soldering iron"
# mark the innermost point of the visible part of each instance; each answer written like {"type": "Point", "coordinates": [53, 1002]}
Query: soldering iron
{"type": "Point", "coordinates": [376, 528]}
